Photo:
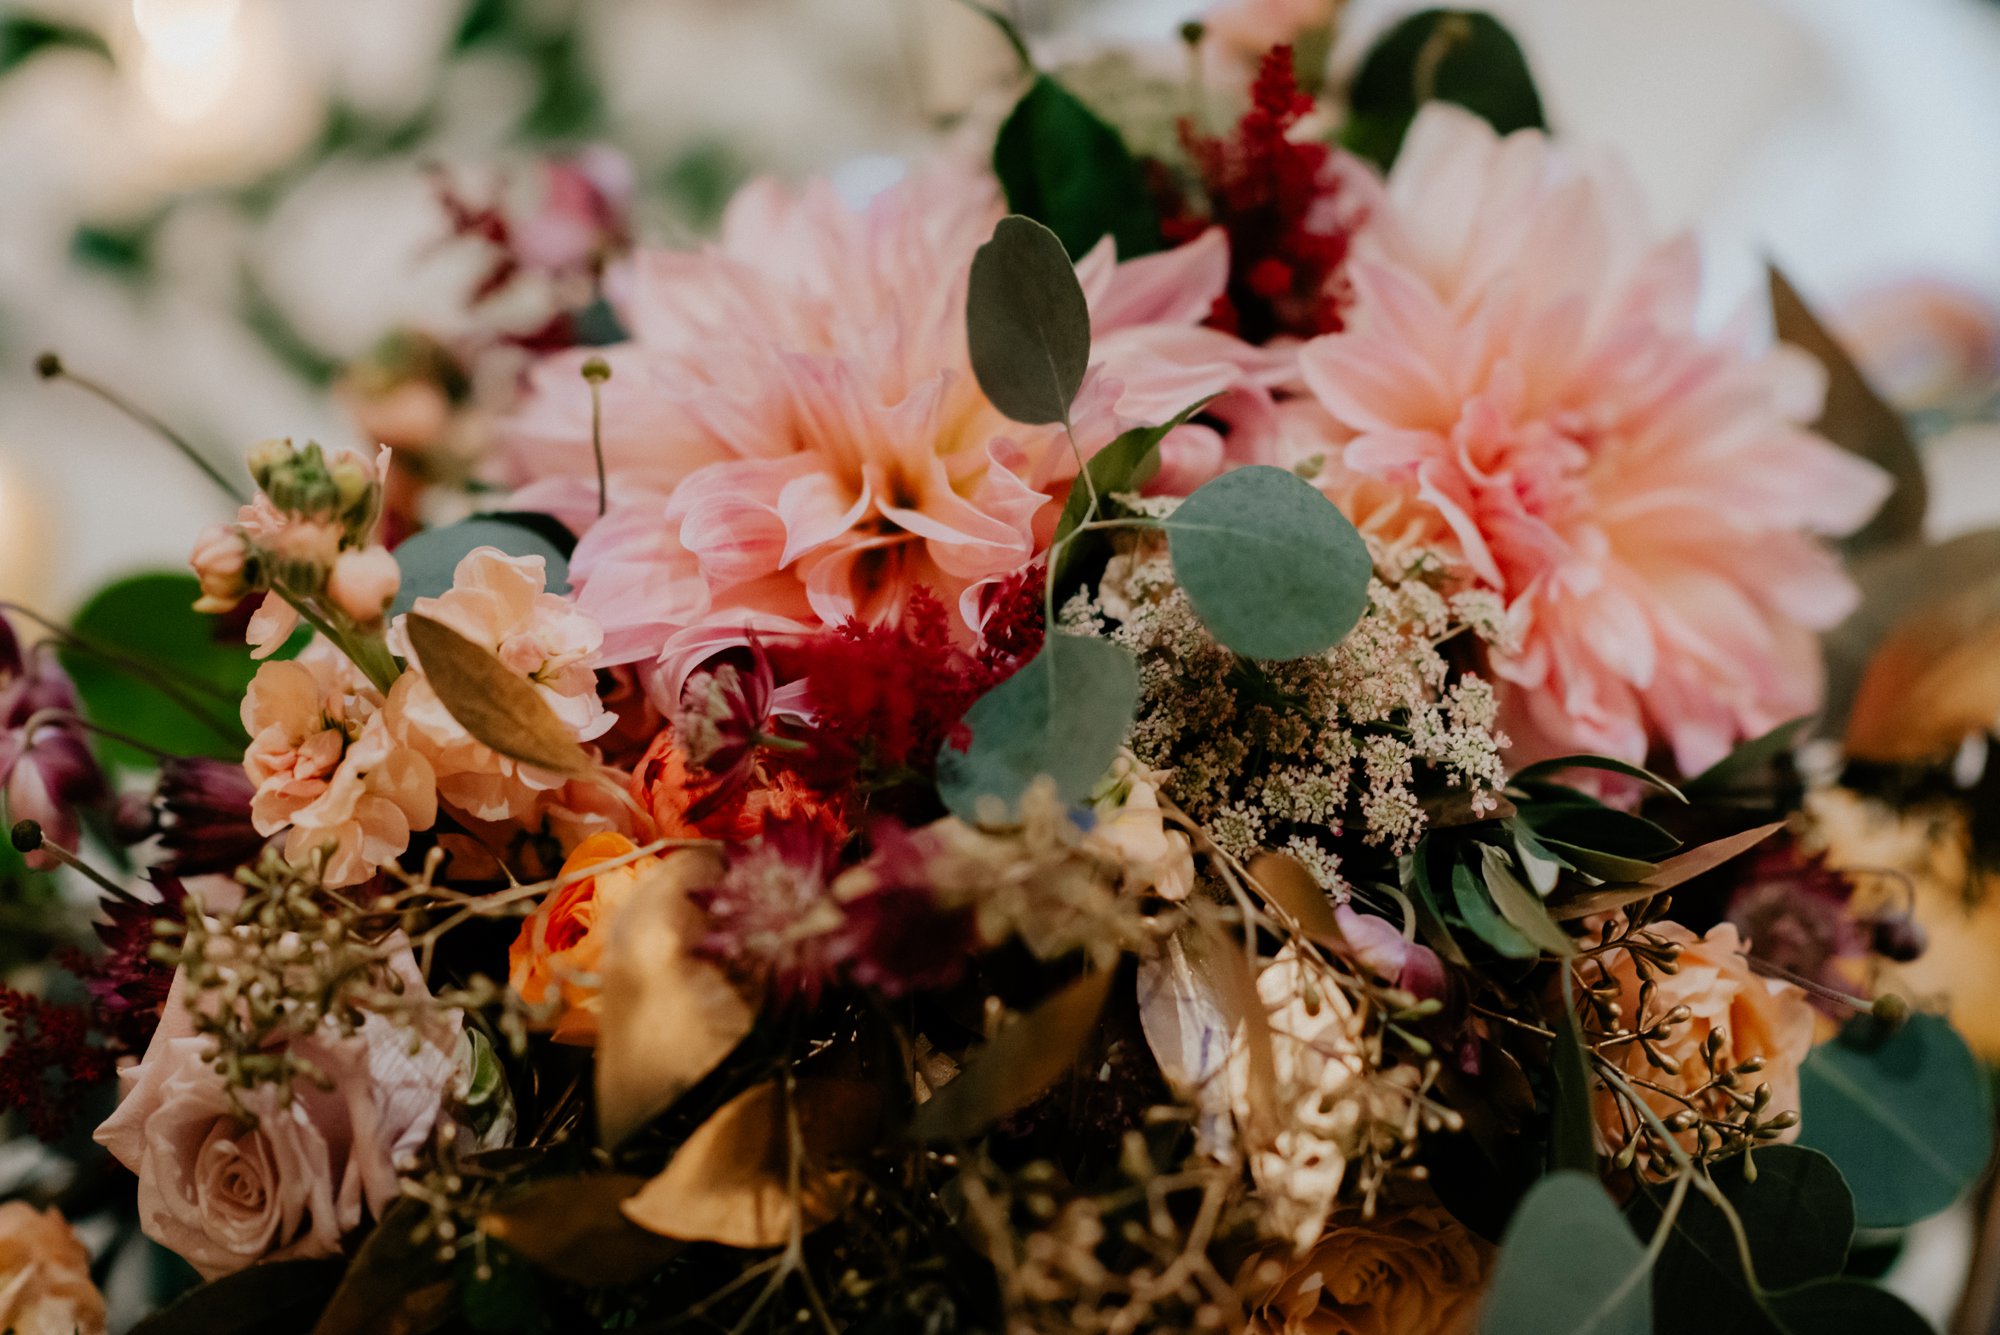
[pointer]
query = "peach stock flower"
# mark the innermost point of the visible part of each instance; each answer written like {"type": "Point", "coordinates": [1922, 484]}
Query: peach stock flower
{"type": "Point", "coordinates": [1411, 1271]}
{"type": "Point", "coordinates": [45, 1286]}
{"type": "Point", "coordinates": [795, 434]}
{"type": "Point", "coordinates": [560, 948]}
{"type": "Point", "coordinates": [1757, 1017]}
{"type": "Point", "coordinates": [223, 1194]}
{"type": "Point", "coordinates": [1523, 386]}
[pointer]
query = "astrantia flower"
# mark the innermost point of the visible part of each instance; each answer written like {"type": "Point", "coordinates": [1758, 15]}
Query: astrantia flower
{"type": "Point", "coordinates": [795, 432]}
{"type": "Point", "coordinates": [772, 914]}
{"type": "Point", "coordinates": [46, 764]}
{"type": "Point", "coordinates": [1522, 383]}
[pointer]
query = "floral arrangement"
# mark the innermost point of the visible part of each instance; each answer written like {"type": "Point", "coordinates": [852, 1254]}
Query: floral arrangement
{"type": "Point", "coordinates": [1193, 730]}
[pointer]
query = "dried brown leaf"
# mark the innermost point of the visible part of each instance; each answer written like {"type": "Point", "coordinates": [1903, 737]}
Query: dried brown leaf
{"type": "Point", "coordinates": [1857, 419]}
{"type": "Point", "coordinates": [395, 1285]}
{"type": "Point", "coordinates": [1291, 888]}
{"type": "Point", "coordinates": [1676, 870]}
{"type": "Point", "coordinates": [1023, 1059]}
{"type": "Point", "coordinates": [667, 1017]}
{"type": "Point", "coordinates": [573, 1228]}
{"type": "Point", "coordinates": [735, 1180]}
{"type": "Point", "coordinates": [497, 706]}
{"type": "Point", "coordinates": [1933, 682]}
{"type": "Point", "coordinates": [1219, 959]}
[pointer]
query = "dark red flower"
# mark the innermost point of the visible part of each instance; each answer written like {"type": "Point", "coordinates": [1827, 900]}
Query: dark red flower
{"type": "Point", "coordinates": [49, 1062]}
{"type": "Point", "coordinates": [46, 765]}
{"type": "Point", "coordinates": [199, 811]}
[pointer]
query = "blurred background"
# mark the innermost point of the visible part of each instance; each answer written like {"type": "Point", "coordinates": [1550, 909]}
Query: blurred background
{"type": "Point", "coordinates": [215, 206]}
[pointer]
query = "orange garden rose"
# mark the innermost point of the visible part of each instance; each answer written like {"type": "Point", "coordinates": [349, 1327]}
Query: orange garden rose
{"type": "Point", "coordinates": [1415, 1271]}
{"type": "Point", "coordinates": [561, 946]}
{"type": "Point", "coordinates": [45, 1286]}
{"type": "Point", "coordinates": [667, 789]}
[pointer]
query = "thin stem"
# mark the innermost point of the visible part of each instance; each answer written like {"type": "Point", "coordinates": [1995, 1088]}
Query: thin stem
{"type": "Point", "coordinates": [51, 367]}
{"type": "Point", "coordinates": [596, 371]}
{"type": "Point", "coordinates": [29, 837]}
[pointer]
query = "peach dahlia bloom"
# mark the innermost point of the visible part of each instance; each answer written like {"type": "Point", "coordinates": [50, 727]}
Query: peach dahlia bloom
{"type": "Point", "coordinates": [1523, 386]}
{"type": "Point", "coordinates": [795, 433]}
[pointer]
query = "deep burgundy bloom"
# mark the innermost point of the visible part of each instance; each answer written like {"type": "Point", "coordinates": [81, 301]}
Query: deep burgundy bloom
{"type": "Point", "coordinates": [46, 765]}
{"type": "Point", "coordinates": [200, 813]}
{"type": "Point", "coordinates": [1281, 202]}
{"type": "Point", "coordinates": [772, 914]}
{"type": "Point", "coordinates": [1793, 910]}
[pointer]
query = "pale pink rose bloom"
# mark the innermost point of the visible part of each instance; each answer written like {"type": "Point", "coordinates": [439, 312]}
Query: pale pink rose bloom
{"type": "Point", "coordinates": [1523, 369]}
{"type": "Point", "coordinates": [364, 582]}
{"type": "Point", "coordinates": [795, 433]}
{"type": "Point", "coordinates": [500, 603]}
{"type": "Point", "coordinates": [326, 768]}
{"type": "Point", "coordinates": [45, 1286]}
{"type": "Point", "coordinates": [224, 1195]}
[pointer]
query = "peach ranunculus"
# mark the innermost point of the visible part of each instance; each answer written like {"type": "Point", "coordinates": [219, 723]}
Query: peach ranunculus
{"type": "Point", "coordinates": [326, 769]}
{"type": "Point", "coordinates": [223, 1194]}
{"type": "Point", "coordinates": [1408, 1271]}
{"type": "Point", "coordinates": [560, 948]}
{"type": "Point", "coordinates": [45, 1286]}
{"type": "Point", "coordinates": [500, 603]}
{"type": "Point", "coordinates": [1523, 372]}
{"type": "Point", "coordinates": [1758, 1018]}
{"type": "Point", "coordinates": [794, 433]}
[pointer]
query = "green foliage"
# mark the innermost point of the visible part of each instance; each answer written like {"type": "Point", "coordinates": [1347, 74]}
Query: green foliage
{"type": "Point", "coordinates": [168, 676]}
{"type": "Point", "coordinates": [1273, 569]}
{"type": "Point", "coordinates": [429, 558]}
{"type": "Point", "coordinates": [261, 1300]}
{"type": "Point", "coordinates": [1568, 1266]}
{"type": "Point", "coordinates": [1027, 326]}
{"type": "Point", "coordinates": [1544, 770]}
{"type": "Point", "coordinates": [1451, 55]}
{"type": "Point", "coordinates": [1906, 1116]}
{"type": "Point", "coordinates": [1125, 465]}
{"type": "Point", "coordinates": [1067, 169]}
{"type": "Point", "coordinates": [1476, 909]}
{"type": "Point", "coordinates": [23, 36]}
{"type": "Point", "coordinates": [1519, 905]}
{"type": "Point", "coordinates": [1064, 715]}
{"type": "Point", "coordinates": [1747, 765]}
{"type": "Point", "coordinates": [1573, 1126]}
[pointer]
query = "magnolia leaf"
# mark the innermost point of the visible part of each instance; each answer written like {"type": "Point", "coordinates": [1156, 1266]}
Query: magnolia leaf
{"type": "Point", "coordinates": [492, 702]}
{"type": "Point", "coordinates": [1858, 420]}
{"type": "Point", "coordinates": [429, 559]}
{"type": "Point", "coordinates": [269, 1298]}
{"type": "Point", "coordinates": [1907, 1118]}
{"type": "Point", "coordinates": [394, 1285]}
{"type": "Point", "coordinates": [1290, 887]}
{"type": "Point", "coordinates": [1431, 923]}
{"type": "Point", "coordinates": [1548, 769]}
{"type": "Point", "coordinates": [1573, 1126]}
{"type": "Point", "coordinates": [668, 1016]}
{"type": "Point", "coordinates": [1933, 682]}
{"type": "Point", "coordinates": [1844, 1307]}
{"type": "Point", "coordinates": [1676, 870]}
{"type": "Point", "coordinates": [1027, 325]}
{"type": "Point", "coordinates": [1063, 715]}
{"type": "Point", "coordinates": [1024, 1058]}
{"type": "Point", "coordinates": [1520, 906]}
{"type": "Point", "coordinates": [1273, 568]}
{"type": "Point", "coordinates": [1064, 167]}
{"type": "Point", "coordinates": [1483, 920]}
{"type": "Point", "coordinates": [734, 1181]}
{"type": "Point", "coordinates": [1569, 1265]}
{"type": "Point", "coordinates": [1460, 56]}
{"type": "Point", "coordinates": [573, 1228]}
{"type": "Point", "coordinates": [1125, 465]}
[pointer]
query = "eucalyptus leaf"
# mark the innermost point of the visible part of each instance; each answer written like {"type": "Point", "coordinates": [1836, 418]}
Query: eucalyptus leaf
{"type": "Point", "coordinates": [1452, 55]}
{"type": "Point", "coordinates": [1027, 325]}
{"type": "Point", "coordinates": [1431, 924]}
{"type": "Point", "coordinates": [1664, 876]}
{"type": "Point", "coordinates": [1061, 165]}
{"type": "Point", "coordinates": [1023, 1059]}
{"type": "Point", "coordinates": [430, 559]}
{"type": "Point", "coordinates": [495, 704]}
{"type": "Point", "coordinates": [1601, 829]}
{"type": "Point", "coordinates": [1844, 1307]}
{"type": "Point", "coordinates": [1483, 920]}
{"type": "Point", "coordinates": [1569, 1265]}
{"type": "Point", "coordinates": [1520, 906]}
{"type": "Point", "coordinates": [1273, 569]}
{"type": "Point", "coordinates": [1064, 715]}
{"type": "Point", "coordinates": [1907, 1118]}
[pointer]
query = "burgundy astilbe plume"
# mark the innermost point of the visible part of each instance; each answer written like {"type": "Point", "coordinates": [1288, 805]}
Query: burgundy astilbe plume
{"type": "Point", "coordinates": [49, 1062]}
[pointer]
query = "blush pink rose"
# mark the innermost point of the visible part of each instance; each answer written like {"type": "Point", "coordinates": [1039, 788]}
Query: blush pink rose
{"type": "Point", "coordinates": [224, 1195]}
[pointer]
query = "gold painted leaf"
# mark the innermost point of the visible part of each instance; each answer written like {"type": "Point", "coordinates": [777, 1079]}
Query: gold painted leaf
{"type": "Point", "coordinates": [667, 1017]}
{"type": "Point", "coordinates": [497, 706]}
{"type": "Point", "coordinates": [733, 1182]}
{"type": "Point", "coordinates": [573, 1228]}
{"type": "Point", "coordinates": [1934, 681]}
{"type": "Point", "coordinates": [1023, 1059]}
{"type": "Point", "coordinates": [1290, 887]}
{"type": "Point", "coordinates": [1676, 870]}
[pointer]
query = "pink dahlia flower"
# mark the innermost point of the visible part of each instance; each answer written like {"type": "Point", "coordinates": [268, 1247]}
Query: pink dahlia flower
{"type": "Point", "coordinates": [795, 435]}
{"type": "Point", "coordinates": [1522, 386]}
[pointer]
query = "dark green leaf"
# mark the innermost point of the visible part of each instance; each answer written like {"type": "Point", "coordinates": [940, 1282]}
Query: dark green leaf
{"type": "Point", "coordinates": [1273, 569]}
{"type": "Point", "coordinates": [24, 35]}
{"type": "Point", "coordinates": [274, 1298]}
{"type": "Point", "coordinates": [1452, 55]}
{"type": "Point", "coordinates": [1023, 1059]}
{"type": "Point", "coordinates": [1483, 920]}
{"type": "Point", "coordinates": [1845, 1307]}
{"type": "Point", "coordinates": [1746, 765]}
{"type": "Point", "coordinates": [1063, 715]}
{"type": "Point", "coordinates": [1125, 465]}
{"type": "Point", "coordinates": [169, 676]}
{"type": "Point", "coordinates": [395, 1284]}
{"type": "Point", "coordinates": [1857, 419]}
{"type": "Point", "coordinates": [1601, 829]}
{"type": "Point", "coordinates": [1604, 866]}
{"type": "Point", "coordinates": [430, 558]}
{"type": "Point", "coordinates": [1027, 325]}
{"type": "Point", "coordinates": [1907, 1118]}
{"type": "Point", "coordinates": [1520, 906]}
{"type": "Point", "coordinates": [1430, 915]}
{"type": "Point", "coordinates": [1573, 1127]}
{"type": "Point", "coordinates": [1569, 1266]}
{"type": "Point", "coordinates": [1067, 169]}
{"type": "Point", "coordinates": [1676, 870]}
{"type": "Point", "coordinates": [1543, 770]}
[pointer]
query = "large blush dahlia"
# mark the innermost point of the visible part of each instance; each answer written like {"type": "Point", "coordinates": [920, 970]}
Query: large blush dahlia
{"type": "Point", "coordinates": [795, 435]}
{"type": "Point", "coordinates": [1522, 385]}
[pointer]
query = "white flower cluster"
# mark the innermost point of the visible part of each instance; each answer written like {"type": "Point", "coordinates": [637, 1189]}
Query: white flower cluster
{"type": "Point", "coordinates": [1292, 755]}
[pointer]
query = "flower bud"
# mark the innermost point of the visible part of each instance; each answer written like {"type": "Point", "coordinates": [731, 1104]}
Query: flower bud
{"type": "Point", "coordinates": [364, 582]}
{"type": "Point", "coordinates": [218, 562]}
{"type": "Point", "coordinates": [266, 457]}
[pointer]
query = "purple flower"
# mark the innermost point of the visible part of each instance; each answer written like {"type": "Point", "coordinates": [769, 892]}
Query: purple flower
{"type": "Point", "coordinates": [1378, 946]}
{"type": "Point", "coordinates": [46, 768]}
{"type": "Point", "coordinates": [200, 813]}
